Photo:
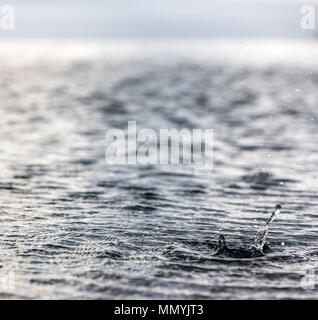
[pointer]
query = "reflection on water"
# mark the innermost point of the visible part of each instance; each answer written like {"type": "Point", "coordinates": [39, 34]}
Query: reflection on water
{"type": "Point", "coordinates": [72, 227]}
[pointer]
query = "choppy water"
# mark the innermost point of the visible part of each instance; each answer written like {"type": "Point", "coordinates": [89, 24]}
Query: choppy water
{"type": "Point", "coordinates": [73, 227]}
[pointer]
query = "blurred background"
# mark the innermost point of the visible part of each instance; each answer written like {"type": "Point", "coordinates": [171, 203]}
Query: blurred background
{"type": "Point", "coordinates": [158, 19]}
{"type": "Point", "coordinates": [73, 227]}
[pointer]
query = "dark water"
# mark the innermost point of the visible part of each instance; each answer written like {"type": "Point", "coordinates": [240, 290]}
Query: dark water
{"type": "Point", "coordinates": [73, 227]}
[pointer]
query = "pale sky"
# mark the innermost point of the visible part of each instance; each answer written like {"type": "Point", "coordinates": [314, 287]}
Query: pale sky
{"type": "Point", "coordinates": [155, 19]}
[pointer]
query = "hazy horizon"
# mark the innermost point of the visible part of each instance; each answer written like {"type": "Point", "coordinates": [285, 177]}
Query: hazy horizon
{"type": "Point", "coordinates": [122, 19]}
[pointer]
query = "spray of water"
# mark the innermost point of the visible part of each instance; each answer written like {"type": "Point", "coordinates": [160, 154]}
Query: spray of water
{"type": "Point", "coordinates": [261, 235]}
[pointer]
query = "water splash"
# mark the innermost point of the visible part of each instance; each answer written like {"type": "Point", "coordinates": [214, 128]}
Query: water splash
{"type": "Point", "coordinates": [261, 235]}
{"type": "Point", "coordinates": [257, 249]}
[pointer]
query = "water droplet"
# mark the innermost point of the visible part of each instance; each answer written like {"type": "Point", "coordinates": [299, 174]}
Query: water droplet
{"type": "Point", "coordinates": [261, 234]}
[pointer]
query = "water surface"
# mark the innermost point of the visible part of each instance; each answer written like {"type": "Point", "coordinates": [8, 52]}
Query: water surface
{"type": "Point", "coordinates": [73, 227]}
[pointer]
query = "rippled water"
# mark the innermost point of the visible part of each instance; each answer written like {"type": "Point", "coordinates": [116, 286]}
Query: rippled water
{"type": "Point", "coordinates": [73, 227]}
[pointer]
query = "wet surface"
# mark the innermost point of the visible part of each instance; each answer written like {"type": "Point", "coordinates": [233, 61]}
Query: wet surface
{"type": "Point", "coordinates": [74, 227]}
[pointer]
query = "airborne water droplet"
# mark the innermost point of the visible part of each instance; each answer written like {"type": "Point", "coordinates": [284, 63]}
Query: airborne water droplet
{"type": "Point", "coordinates": [261, 235]}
